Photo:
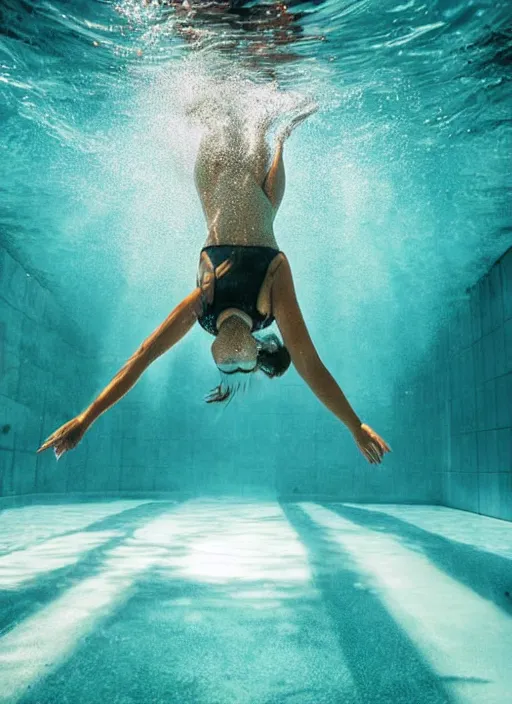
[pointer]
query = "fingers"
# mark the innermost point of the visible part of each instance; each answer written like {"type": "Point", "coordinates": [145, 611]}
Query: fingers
{"type": "Point", "coordinates": [59, 451]}
{"type": "Point", "coordinates": [385, 445]}
{"type": "Point", "coordinates": [371, 457]}
{"type": "Point", "coordinates": [377, 449]}
{"type": "Point", "coordinates": [375, 454]}
{"type": "Point", "coordinates": [368, 457]}
{"type": "Point", "coordinates": [372, 451]}
{"type": "Point", "coordinates": [48, 443]}
{"type": "Point", "coordinates": [373, 436]}
{"type": "Point", "coordinates": [367, 454]}
{"type": "Point", "coordinates": [53, 439]}
{"type": "Point", "coordinates": [63, 439]}
{"type": "Point", "coordinates": [61, 446]}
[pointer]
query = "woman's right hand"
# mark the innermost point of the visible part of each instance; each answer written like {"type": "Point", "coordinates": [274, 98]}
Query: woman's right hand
{"type": "Point", "coordinates": [372, 446]}
{"type": "Point", "coordinates": [66, 437]}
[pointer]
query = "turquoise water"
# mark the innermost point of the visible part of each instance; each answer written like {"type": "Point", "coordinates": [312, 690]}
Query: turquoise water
{"type": "Point", "coordinates": [397, 189]}
{"type": "Point", "coordinates": [274, 573]}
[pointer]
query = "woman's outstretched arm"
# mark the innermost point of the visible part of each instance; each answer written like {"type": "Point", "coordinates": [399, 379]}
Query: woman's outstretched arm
{"type": "Point", "coordinates": [305, 359]}
{"type": "Point", "coordinates": [176, 325]}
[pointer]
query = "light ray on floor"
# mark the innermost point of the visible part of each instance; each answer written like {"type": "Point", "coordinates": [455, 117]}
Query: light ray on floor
{"type": "Point", "coordinates": [465, 638]}
{"type": "Point", "coordinates": [26, 525]}
{"type": "Point", "coordinates": [482, 532]}
{"type": "Point", "coordinates": [23, 566]}
{"type": "Point", "coordinates": [41, 642]}
{"type": "Point", "coordinates": [247, 609]}
{"type": "Point", "coordinates": [230, 588]}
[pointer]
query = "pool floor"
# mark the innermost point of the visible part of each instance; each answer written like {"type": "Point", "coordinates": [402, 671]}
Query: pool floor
{"type": "Point", "coordinates": [225, 601]}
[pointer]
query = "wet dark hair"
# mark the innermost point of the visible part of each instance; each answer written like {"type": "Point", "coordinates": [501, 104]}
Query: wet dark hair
{"type": "Point", "coordinates": [273, 357]}
{"type": "Point", "coordinates": [273, 360]}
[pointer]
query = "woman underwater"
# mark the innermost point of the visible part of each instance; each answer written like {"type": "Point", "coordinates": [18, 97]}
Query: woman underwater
{"type": "Point", "coordinates": [244, 283]}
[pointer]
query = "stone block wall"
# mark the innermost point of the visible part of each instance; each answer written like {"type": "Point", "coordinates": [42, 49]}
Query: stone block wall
{"type": "Point", "coordinates": [43, 368]}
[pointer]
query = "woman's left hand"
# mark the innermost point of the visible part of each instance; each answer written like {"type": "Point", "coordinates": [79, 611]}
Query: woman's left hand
{"type": "Point", "coordinates": [371, 444]}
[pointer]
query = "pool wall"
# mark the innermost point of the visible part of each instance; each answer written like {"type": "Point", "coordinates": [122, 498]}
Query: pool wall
{"type": "Point", "coordinates": [460, 407]}
{"type": "Point", "coordinates": [449, 423]}
{"type": "Point", "coordinates": [43, 364]}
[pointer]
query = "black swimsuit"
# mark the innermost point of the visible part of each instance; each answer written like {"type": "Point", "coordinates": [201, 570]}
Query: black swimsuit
{"type": "Point", "coordinates": [240, 287]}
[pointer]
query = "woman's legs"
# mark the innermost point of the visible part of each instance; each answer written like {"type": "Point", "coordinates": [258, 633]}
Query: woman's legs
{"type": "Point", "coordinates": [275, 180]}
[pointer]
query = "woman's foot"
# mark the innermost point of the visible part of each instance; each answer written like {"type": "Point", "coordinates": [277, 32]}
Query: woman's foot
{"type": "Point", "coordinates": [303, 111]}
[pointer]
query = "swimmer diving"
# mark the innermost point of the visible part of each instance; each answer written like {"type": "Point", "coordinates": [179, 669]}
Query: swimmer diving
{"type": "Point", "coordinates": [244, 284]}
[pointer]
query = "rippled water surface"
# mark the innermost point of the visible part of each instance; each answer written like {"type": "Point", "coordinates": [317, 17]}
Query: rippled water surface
{"type": "Point", "coordinates": [398, 192]}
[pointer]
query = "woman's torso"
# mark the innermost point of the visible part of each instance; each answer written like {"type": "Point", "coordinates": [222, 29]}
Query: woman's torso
{"type": "Point", "coordinates": [229, 177]}
{"type": "Point", "coordinates": [247, 286]}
